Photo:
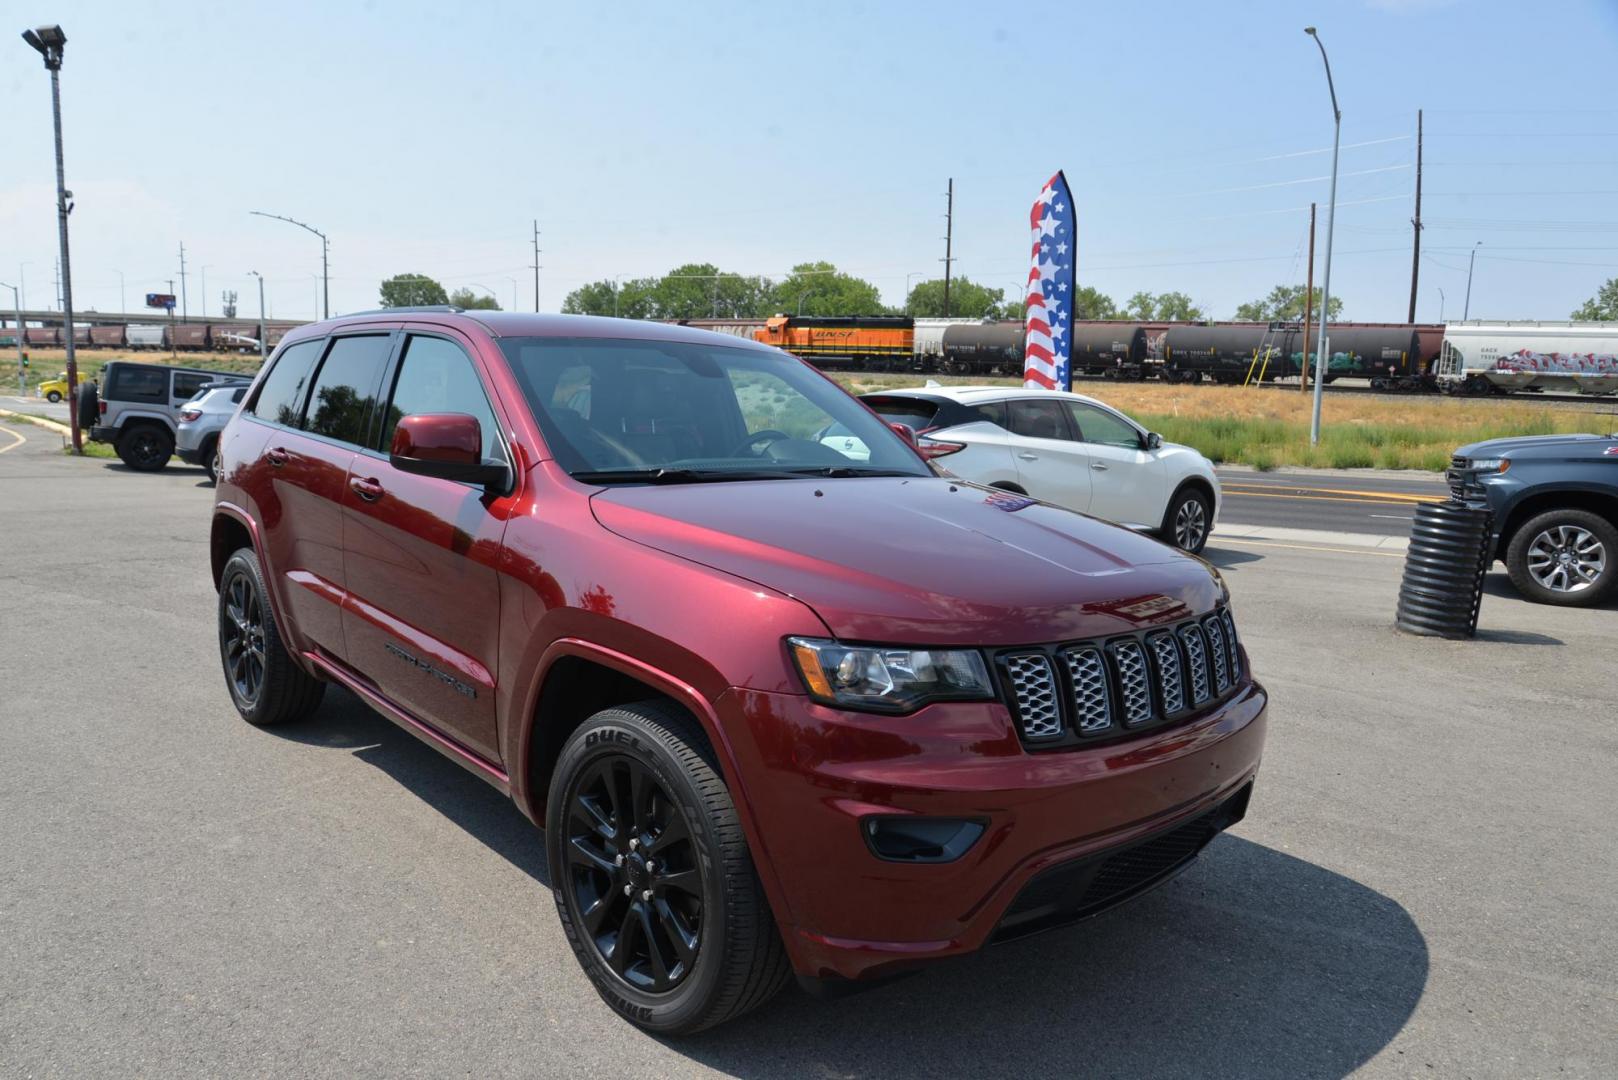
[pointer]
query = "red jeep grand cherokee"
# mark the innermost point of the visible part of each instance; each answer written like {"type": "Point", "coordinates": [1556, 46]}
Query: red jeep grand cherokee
{"type": "Point", "coordinates": [779, 707]}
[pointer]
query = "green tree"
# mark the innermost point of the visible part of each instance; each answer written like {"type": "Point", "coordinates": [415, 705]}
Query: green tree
{"type": "Point", "coordinates": [626, 299]}
{"type": "Point", "coordinates": [1285, 304]}
{"type": "Point", "coordinates": [967, 300]}
{"type": "Point", "coordinates": [473, 301]}
{"type": "Point", "coordinates": [1091, 303]}
{"type": "Point", "coordinates": [819, 288]}
{"type": "Point", "coordinates": [412, 290]}
{"type": "Point", "coordinates": [1603, 306]}
{"type": "Point", "coordinates": [1163, 307]}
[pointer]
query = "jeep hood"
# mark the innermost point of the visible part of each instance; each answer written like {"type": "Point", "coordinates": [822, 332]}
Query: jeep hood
{"type": "Point", "coordinates": [920, 560]}
{"type": "Point", "coordinates": [1539, 446]}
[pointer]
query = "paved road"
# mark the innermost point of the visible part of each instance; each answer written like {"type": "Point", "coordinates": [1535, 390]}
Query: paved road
{"type": "Point", "coordinates": [1378, 504]}
{"type": "Point", "coordinates": [1424, 886]}
{"type": "Point", "coordinates": [35, 405]}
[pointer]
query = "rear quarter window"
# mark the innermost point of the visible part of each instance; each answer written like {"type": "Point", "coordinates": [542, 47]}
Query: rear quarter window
{"type": "Point", "coordinates": [138, 382]}
{"type": "Point", "coordinates": [280, 395]}
{"type": "Point", "coordinates": [188, 385]}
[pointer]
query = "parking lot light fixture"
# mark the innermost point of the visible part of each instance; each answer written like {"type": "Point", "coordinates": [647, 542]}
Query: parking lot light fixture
{"type": "Point", "coordinates": [1321, 358]}
{"type": "Point", "coordinates": [49, 41]}
{"type": "Point", "coordinates": [263, 330]}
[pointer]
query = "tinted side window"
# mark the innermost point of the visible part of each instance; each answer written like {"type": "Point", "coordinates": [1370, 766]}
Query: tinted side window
{"type": "Point", "coordinates": [1038, 419]}
{"type": "Point", "coordinates": [1099, 426]}
{"type": "Point", "coordinates": [281, 393]}
{"type": "Point", "coordinates": [138, 382]}
{"type": "Point", "coordinates": [237, 394]}
{"type": "Point", "coordinates": [344, 392]}
{"type": "Point", "coordinates": [436, 376]}
{"type": "Point", "coordinates": [186, 384]}
{"type": "Point", "coordinates": [994, 412]}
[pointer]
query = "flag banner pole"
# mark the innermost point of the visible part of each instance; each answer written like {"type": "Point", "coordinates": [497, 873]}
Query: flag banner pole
{"type": "Point", "coordinates": [1048, 326]}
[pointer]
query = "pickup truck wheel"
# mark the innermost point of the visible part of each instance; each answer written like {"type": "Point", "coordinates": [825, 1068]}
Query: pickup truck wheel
{"type": "Point", "coordinates": [145, 447]}
{"type": "Point", "coordinates": [266, 686]}
{"type": "Point", "coordinates": [1566, 557]}
{"type": "Point", "coordinates": [1188, 521]}
{"type": "Point", "coordinates": [652, 877]}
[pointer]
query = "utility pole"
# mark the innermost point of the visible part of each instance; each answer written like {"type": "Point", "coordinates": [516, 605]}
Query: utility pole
{"type": "Point", "coordinates": [535, 267]}
{"type": "Point", "coordinates": [1415, 254]}
{"type": "Point", "coordinates": [1308, 301]}
{"type": "Point", "coordinates": [184, 313]}
{"type": "Point", "coordinates": [949, 237]}
{"type": "Point", "coordinates": [48, 41]}
{"type": "Point", "coordinates": [16, 302]}
{"type": "Point", "coordinates": [172, 353]}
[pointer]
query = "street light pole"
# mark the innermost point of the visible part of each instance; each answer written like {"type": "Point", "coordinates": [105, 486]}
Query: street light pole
{"type": "Point", "coordinates": [1331, 225]}
{"type": "Point", "coordinates": [912, 274]}
{"type": "Point", "coordinates": [1466, 312]}
{"type": "Point", "coordinates": [48, 42]}
{"type": "Point", "coordinates": [121, 301]}
{"type": "Point", "coordinates": [1440, 303]}
{"type": "Point", "coordinates": [263, 331]}
{"type": "Point", "coordinates": [325, 248]}
{"type": "Point", "coordinates": [16, 302]}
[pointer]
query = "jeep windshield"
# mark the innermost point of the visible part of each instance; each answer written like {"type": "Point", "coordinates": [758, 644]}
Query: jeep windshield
{"type": "Point", "coordinates": [666, 412]}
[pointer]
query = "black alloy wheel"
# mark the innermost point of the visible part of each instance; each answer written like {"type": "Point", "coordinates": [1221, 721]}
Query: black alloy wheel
{"type": "Point", "coordinates": [241, 637]}
{"type": "Point", "coordinates": [632, 873]}
{"type": "Point", "coordinates": [145, 448]}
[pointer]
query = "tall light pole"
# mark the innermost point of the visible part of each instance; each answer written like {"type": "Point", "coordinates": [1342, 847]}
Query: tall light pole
{"type": "Point", "coordinates": [1331, 223]}
{"type": "Point", "coordinates": [263, 331]}
{"type": "Point", "coordinates": [1466, 312]}
{"type": "Point", "coordinates": [912, 274]}
{"type": "Point", "coordinates": [202, 272]}
{"type": "Point", "coordinates": [48, 41]}
{"type": "Point", "coordinates": [486, 289]}
{"type": "Point", "coordinates": [513, 292]}
{"type": "Point", "coordinates": [16, 302]}
{"type": "Point", "coordinates": [1440, 303]}
{"type": "Point", "coordinates": [325, 250]}
{"type": "Point", "coordinates": [121, 302]}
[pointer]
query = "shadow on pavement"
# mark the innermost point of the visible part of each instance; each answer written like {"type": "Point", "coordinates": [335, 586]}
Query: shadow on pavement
{"type": "Point", "coordinates": [1225, 557]}
{"type": "Point", "coordinates": [1253, 964]}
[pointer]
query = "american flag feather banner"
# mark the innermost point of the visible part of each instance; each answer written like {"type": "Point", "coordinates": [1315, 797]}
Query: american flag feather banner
{"type": "Point", "coordinates": [1049, 341]}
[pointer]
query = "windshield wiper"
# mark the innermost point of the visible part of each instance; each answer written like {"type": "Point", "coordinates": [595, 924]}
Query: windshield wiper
{"type": "Point", "coordinates": [665, 475]}
{"type": "Point", "coordinates": [848, 470]}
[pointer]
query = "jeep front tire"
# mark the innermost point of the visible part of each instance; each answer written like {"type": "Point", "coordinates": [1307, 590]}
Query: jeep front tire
{"type": "Point", "coordinates": [652, 877]}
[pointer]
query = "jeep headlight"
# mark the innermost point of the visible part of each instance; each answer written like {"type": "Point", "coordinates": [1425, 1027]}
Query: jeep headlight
{"type": "Point", "coordinates": [885, 678]}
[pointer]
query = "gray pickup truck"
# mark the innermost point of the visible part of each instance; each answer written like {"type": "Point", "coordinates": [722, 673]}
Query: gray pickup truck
{"type": "Point", "coordinates": [1555, 505]}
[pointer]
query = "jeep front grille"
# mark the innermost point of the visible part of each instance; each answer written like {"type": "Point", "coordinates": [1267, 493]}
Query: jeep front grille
{"type": "Point", "coordinates": [1068, 693]}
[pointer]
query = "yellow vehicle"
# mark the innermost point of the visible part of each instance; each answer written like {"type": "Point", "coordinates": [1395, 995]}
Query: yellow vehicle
{"type": "Point", "coordinates": [54, 390]}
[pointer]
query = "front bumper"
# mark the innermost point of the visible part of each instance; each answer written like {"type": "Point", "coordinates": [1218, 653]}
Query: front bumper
{"type": "Point", "coordinates": [813, 776]}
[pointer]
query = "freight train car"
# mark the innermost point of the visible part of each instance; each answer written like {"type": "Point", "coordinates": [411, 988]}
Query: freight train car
{"type": "Point", "coordinates": [742, 328]}
{"type": "Point", "coordinates": [928, 344]}
{"type": "Point", "coordinates": [983, 349]}
{"type": "Point", "coordinates": [1390, 356]}
{"type": "Point", "coordinates": [42, 335]}
{"type": "Point", "coordinates": [1481, 357]}
{"type": "Point", "coordinates": [139, 336]}
{"type": "Point", "coordinates": [107, 337]}
{"type": "Point", "coordinates": [1111, 349]}
{"type": "Point", "coordinates": [880, 342]}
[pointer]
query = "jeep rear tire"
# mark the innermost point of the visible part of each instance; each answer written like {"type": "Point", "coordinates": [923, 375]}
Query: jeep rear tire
{"type": "Point", "coordinates": [653, 881]}
{"type": "Point", "coordinates": [1564, 557]}
{"type": "Point", "coordinates": [265, 685]}
{"type": "Point", "coordinates": [145, 447]}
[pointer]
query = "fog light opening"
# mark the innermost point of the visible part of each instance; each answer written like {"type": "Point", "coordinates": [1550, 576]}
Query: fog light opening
{"type": "Point", "coordinates": [920, 839]}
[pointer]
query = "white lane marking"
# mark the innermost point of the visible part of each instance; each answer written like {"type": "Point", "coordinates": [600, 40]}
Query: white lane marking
{"type": "Point", "coordinates": [14, 435]}
{"type": "Point", "coordinates": [1391, 517]}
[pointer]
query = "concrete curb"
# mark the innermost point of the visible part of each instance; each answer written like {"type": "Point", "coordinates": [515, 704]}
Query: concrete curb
{"type": "Point", "coordinates": [1323, 537]}
{"type": "Point", "coordinates": [1412, 475]}
{"type": "Point", "coordinates": [38, 421]}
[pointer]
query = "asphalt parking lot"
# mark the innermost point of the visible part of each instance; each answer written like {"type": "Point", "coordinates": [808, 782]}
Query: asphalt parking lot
{"type": "Point", "coordinates": [1425, 885]}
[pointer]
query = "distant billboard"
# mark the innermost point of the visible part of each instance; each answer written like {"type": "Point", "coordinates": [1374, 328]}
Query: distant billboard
{"type": "Point", "coordinates": [160, 300]}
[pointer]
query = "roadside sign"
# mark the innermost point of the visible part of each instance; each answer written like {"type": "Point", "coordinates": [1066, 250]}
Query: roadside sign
{"type": "Point", "coordinates": [162, 300]}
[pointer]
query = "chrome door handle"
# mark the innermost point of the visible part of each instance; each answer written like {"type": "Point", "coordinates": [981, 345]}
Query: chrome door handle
{"type": "Point", "coordinates": [1099, 466]}
{"type": "Point", "coordinates": [1028, 457]}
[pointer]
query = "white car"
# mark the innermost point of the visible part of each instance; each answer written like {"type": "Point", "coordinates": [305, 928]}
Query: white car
{"type": "Point", "coordinates": [1065, 449]}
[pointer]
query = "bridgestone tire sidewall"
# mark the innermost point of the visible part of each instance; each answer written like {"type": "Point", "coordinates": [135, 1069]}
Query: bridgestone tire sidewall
{"type": "Point", "coordinates": [604, 737]}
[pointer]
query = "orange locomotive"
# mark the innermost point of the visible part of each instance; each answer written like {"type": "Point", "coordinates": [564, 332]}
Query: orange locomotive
{"type": "Point", "coordinates": [876, 340]}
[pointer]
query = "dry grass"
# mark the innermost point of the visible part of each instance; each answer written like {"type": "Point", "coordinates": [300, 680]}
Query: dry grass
{"type": "Point", "coordinates": [45, 363]}
{"type": "Point", "coordinates": [1269, 428]}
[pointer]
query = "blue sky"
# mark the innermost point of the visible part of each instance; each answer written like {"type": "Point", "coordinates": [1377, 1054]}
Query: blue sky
{"type": "Point", "coordinates": [426, 138]}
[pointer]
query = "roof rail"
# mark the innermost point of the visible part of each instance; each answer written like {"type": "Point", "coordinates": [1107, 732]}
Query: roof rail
{"type": "Point", "coordinates": [441, 308]}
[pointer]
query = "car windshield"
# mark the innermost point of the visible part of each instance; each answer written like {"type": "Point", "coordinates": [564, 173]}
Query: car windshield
{"type": "Point", "coordinates": [676, 412]}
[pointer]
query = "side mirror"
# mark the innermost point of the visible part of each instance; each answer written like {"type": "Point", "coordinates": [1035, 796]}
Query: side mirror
{"type": "Point", "coordinates": [446, 445]}
{"type": "Point", "coordinates": [904, 431]}
{"type": "Point", "coordinates": [1154, 441]}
